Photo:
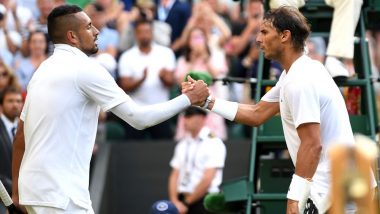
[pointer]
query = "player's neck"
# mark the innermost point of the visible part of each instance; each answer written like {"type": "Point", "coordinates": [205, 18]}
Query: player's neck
{"type": "Point", "coordinates": [287, 60]}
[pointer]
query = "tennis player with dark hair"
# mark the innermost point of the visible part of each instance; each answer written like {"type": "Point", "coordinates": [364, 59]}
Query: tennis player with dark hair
{"type": "Point", "coordinates": [56, 134]}
{"type": "Point", "coordinates": [313, 112]}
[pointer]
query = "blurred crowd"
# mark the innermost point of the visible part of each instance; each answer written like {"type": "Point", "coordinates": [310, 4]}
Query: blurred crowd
{"type": "Point", "coordinates": [149, 46]}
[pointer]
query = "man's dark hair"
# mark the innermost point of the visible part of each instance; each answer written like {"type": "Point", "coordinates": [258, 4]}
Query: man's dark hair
{"type": "Point", "coordinates": [289, 18]}
{"type": "Point", "coordinates": [142, 21]}
{"type": "Point", "coordinates": [56, 22]}
{"type": "Point", "coordinates": [8, 90]}
{"type": "Point", "coordinates": [192, 110]}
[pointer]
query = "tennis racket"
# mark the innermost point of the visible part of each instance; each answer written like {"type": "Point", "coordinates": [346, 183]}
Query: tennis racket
{"type": "Point", "coordinates": [6, 199]}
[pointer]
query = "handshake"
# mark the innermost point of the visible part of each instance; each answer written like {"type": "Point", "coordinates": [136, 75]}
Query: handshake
{"type": "Point", "coordinates": [197, 91]}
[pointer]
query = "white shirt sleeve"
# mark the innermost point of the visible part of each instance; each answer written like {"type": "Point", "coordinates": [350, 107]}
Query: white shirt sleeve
{"type": "Point", "coordinates": [142, 117]}
{"type": "Point", "coordinates": [97, 84]}
{"type": "Point", "coordinates": [303, 102]}
{"type": "Point", "coordinates": [273, 95]}
{"type": "Point", "coordinates": [217, 155]}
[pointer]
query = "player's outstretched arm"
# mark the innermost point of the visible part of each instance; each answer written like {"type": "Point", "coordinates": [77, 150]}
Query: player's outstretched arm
{"type": "Point", "coordinates": [253, 115]}
{"type": "Point", "coordinates": [142, 117]}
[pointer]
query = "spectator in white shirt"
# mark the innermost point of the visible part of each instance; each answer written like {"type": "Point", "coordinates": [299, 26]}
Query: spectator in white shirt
{"type": "Point", "coordinates": [147, 73]}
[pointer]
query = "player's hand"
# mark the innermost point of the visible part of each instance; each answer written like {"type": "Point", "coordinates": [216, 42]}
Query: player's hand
{"type": "Point", "coordinates": [292, 207]}
{"type": "Point", "coordinates": [187, 86]}
{"type": "Point", "coordinates": [198, 94]}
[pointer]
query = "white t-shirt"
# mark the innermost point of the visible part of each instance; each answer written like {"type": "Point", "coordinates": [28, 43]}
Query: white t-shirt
{"type": "Point", "coordinates": [60, 118]}
{"type": "Point", "coordinates": [132, 64]}
{"type": "Point", "coordinates": [193, 156]}
{"type": "Point", "coordinates": [308, 94]}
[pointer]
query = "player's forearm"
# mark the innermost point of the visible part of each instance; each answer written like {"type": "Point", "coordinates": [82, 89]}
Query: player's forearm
{"type": "Point", "coordinates": [173, 179]}
{"type": "Point", "coordinates": [142, 117]}
{"type": "Point", "coordinates": [18, 153]}
{"type": "Point", "coordinates": [252, 115]}
{"type": "Point", "coordinates": [202, 188]}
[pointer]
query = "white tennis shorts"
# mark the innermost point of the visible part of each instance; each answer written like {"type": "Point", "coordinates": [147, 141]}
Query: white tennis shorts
{"type": "Point", "coordinates": [72, 208]}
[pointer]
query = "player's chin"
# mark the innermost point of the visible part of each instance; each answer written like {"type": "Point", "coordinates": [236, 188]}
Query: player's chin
{"type": "Point", "coordinates": [95, 49]}
{"type": "Point", "coordinates": [268, 55]}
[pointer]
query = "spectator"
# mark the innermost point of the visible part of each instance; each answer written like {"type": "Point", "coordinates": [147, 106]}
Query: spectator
{"type": "Point", "coordinates": [108, 38]}
{"type": "Point", "coordinates": [10, 40]}
{"type": "Point", "coordinates": [44, 7]}
{"type": "Point", "coordinates": [145, 9]}
{"type": "Point", "coordinates": [197, 164]}
{"type": "Point", "coordinates": [340, 49]}
{"type": "Point", "coordinates": [59, 3]}
{"type": "Point", "coordinates": [209, 21]}
{"type": "Point", "coordinates": [198, 57]}
{"type": "Point", "coordinates": [31, 5]}
{"type": "Point", "coordinates": [11, 104]}
{"type": "Point", "coordinates": [128, 4]}
{"type": "Point", "coordinates": [245, 30]}
{"type": "Point", "coordinates": [7, 78]}
{"type": "Point", "coordinates": [114, 13]}
{"type": "Point", "coordinates": [38, 49]}
{"type": "Point", "coordinates": [17, 17]}
{"type": "Point", "coordinates": [176, 13]}
{"type": "Point", "coordinates": [222, 8]}
{"type": "Point", "coordinates": [316, 48]}
{"type": "Point", "coordinates": [146, 74]}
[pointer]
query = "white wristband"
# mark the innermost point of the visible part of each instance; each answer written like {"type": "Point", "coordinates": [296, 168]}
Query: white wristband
{"type": "Point", "coordinates": [299, 189]}
{"type": "Point", "coordinates": [225, 109]}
